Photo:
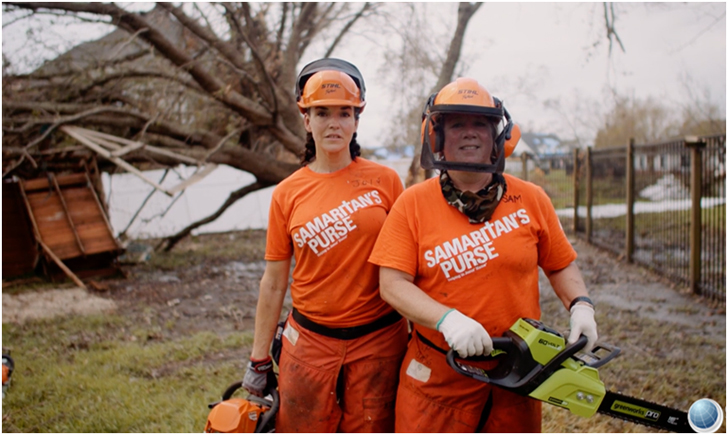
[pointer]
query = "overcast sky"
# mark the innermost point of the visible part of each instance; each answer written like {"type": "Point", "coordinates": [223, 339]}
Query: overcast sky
{"type": "Point", "coordinates": [528, 53]}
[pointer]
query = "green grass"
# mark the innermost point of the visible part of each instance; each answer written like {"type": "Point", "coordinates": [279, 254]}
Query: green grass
{"type": "Point", "coordinates": [669, 226]}
{"type": "Point", "coordinates": [713, 219]}
{"type": "Point", "coordinates": [658, 363]}
{"type": "Point", "coordinates": [107, 373]}
{"type": "Point", "coordinates": [36, 283]}
{"type": "Point", "coordinates": [102, 374]}
{"type": "Point", "coordinates": [246, 245]}
{"type": "Point", "coordinates": [557, 184]}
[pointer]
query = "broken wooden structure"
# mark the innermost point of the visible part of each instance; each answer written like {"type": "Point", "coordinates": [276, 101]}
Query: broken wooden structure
{"type": "Point", "coordinates": [57, 221]}
{"type": "Point", "coordinates": [71, 233]}
{"type": "Point", "coordinates": [113, 148]}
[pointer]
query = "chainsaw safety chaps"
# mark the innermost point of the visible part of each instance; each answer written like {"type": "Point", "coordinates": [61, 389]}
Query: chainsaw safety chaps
{"type": "Point", "coordinates": [432, 397]}
{"type": "Point", "coordinates": [310, 369]}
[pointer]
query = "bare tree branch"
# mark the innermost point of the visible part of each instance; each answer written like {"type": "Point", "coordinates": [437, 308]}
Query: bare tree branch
{"type": "Point", "coordinates": [282, 26]}
{"type": "Point", "coordinates": [224, 48]}
{"type": "Point", "coordinates": [259, 63]}
{"type": "Point", "coordinates": [172, 77]}
{"type": "Point", "coordinates": [346, 28]}
{"type": "Point", "coordinates": [465, 12]}
{"type": "Point", "coordinates": [699, 34]}
{"type": "Point", "coordinates": [168, 243]}
{"type": "Point", "coordinates": [132, 22]}
{"type": "Point", "coordinates": [609, 20]}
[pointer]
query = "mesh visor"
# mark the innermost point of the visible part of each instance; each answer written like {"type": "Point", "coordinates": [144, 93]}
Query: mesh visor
{"type": "Point", "coordinates": [330, 64]}
{"type": "Point", "coordinates": [428, 159]}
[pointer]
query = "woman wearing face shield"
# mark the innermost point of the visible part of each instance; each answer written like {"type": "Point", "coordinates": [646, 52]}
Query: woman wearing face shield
{"type": "Point", "coordinates": [459, 257]}
{"type": "Point", "coordinates": [342, 345]}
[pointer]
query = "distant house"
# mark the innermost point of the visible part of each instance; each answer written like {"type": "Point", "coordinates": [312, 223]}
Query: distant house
{"type": "Point", "coordinates": [544, 145]}
{"type": "Point", "coordinates": [545, 151]}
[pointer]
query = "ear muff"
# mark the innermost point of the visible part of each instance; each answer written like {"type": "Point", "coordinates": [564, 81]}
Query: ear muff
{"type": "Point", "coordinates": [510, 144]}
{"type": "Point", "coordinates": [431, 134]}
{"type": "Point", "coordinates": [511, 134]}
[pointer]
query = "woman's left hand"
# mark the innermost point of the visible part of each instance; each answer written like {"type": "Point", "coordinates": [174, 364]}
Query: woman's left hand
{"type": "Point", "coordinates": [582, 322]}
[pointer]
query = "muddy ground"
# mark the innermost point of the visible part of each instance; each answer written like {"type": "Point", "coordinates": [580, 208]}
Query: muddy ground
{"type": "Point", "coordinates": [207, 283]}
{"type": "Point", "coordinates": [210, 283]}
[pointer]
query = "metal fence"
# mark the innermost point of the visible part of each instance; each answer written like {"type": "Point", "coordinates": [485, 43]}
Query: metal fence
{"type": "Point", "coordinates": [660, 205]}
{"type": "Point", "coordinates": [555, 174]}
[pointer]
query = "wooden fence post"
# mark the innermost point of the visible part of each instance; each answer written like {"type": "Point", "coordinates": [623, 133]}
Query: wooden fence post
{"type": "Point", "coordinates": [589, 194]}
{"type": "Point", "coordinates": [576, 190]}
{"type": "Point", "coordinates": [696, 194]}
{"type": "Point", "coordinates": [629, 222]}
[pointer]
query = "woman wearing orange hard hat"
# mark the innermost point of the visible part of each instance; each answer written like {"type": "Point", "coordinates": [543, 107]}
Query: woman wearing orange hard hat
{"type": "Point", "coordinates": [342, 345]}
{"type": "Point", "coordinates": [459, 257]}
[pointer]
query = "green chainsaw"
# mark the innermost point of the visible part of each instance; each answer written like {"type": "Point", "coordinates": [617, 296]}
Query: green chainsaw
{"type": "Point", "coordinates": [535, 361]}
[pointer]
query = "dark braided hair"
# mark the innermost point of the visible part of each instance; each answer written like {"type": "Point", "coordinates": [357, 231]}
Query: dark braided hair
{"type": "Point", "coordinates": [309, 152]}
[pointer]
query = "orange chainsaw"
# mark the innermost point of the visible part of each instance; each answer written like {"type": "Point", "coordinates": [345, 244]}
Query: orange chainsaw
{"type": "Point", "coordinates": [251, 415]}
{"type": "Point", "coordinates": [8, 367]}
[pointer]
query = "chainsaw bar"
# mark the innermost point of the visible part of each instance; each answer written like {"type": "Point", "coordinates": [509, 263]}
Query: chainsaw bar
{"type": "Point", "coordinates": [644, 412]}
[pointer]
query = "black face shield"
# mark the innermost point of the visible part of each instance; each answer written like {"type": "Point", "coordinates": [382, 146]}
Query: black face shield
{"type": "Point", "coordinates": [498, 113]}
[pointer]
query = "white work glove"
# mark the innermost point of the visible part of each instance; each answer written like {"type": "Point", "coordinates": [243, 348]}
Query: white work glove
{"type": "Point", "coordinates": [582, 322]}
{"type": "Point", "coordinates": [256, 376]}
{"type": "Point", "coordinates": [466, 336]}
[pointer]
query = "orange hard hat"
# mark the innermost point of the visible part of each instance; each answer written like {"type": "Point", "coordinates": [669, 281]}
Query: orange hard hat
{"type": "Point", "coordinates": [466, 96]}
{"type": "Point", "coordinates": [330, 82]}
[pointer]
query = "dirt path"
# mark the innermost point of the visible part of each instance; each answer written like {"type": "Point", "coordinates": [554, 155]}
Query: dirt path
{"type": "Point", "coordinates": [631, 288]}
{"type": "Point", "coordinates": [49, 303]}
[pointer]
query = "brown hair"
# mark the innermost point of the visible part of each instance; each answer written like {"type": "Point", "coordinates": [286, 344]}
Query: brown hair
{"type": "Point", "coordinates": [309, 153]}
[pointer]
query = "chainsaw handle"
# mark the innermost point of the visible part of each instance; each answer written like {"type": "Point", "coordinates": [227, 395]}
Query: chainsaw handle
{"type": "Point", "coordinates": [231, 390]}
{"type": "Point", "coordinates": [270, 388]}
{"type": "Point", "coordinates": [517, 371]}
{"type": "Point", "coordinates": [270, 415]}
{"type": "Point", "coordinates": [593, 359]}
{"type": "Point", "coordinates": [504, 344]}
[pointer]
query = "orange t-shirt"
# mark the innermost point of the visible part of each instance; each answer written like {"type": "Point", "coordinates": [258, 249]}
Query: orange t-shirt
{"type": "Point", "coordinates": [486, 271]}
{"type": "Point", "coordinates": [330, 222]}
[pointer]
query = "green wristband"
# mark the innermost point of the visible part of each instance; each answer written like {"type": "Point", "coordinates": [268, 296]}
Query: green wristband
{"type": "Point", "coordinates": [437, 326]}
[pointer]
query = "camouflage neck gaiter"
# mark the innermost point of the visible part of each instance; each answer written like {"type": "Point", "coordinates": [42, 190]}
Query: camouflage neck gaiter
{"type": "Point", "coordinates": [478, 207]}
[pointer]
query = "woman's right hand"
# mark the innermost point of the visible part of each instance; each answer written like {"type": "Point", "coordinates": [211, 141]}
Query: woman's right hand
{"type": "Point", "coordinates": [466, 336]}
{"type": "Point", "coordinates": [256, 376]}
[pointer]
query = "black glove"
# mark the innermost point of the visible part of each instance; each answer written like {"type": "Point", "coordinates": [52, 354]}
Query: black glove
{"type": "Point", "coordinates": [256, 376]}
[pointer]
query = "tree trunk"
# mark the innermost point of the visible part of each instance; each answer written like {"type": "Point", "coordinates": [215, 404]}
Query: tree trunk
{"type": "Point", "coordinates": [466, 11]}
{"type": "Point", "coordinates": [169, 242]}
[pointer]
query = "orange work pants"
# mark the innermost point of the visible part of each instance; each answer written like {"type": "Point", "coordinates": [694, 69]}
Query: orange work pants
{"type": "Point", "coordinates": [332, 385]}
{"type": "Point", "coordinates": [432, 397]}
